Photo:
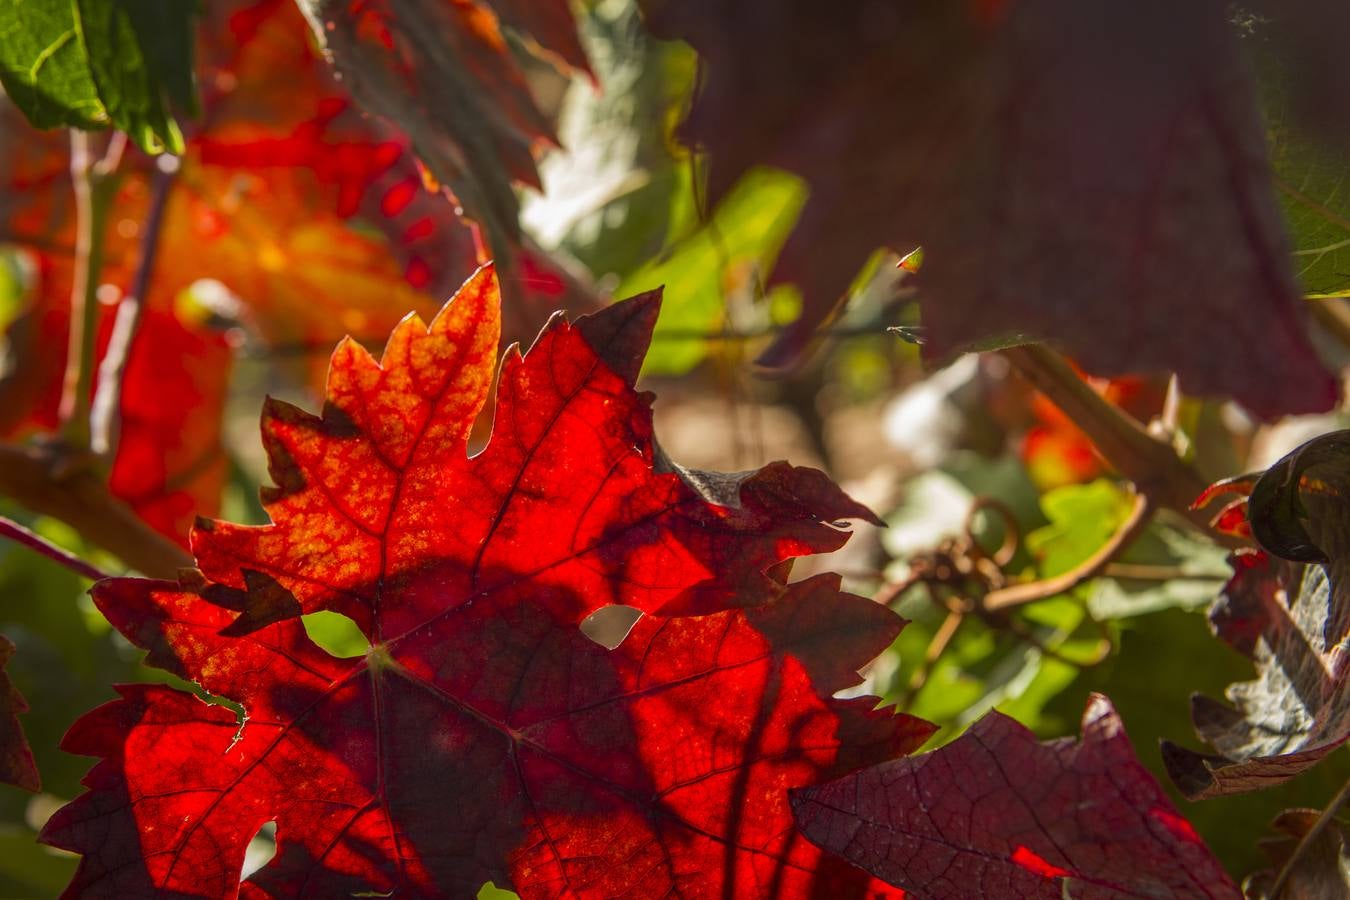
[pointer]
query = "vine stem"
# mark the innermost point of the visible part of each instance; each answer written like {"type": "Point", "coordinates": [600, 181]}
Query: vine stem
{"type": "Point", "coordinates": [103, 416]}
{"type": "Point", "coordinates": [20, 535]}
{"type": "Point", "coordinates": [1309, 837]}
{"type": "Point", "coordinates": [94, 182]}
{"type": "Point", "coordinates": [41, 479]}
{"type": "Point", "coordinates": [1028, 592]}
{"type": "Point", "coordinates": [1148, 460]}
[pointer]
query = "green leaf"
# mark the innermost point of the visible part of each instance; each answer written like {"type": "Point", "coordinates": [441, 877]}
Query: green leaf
{"type": "Point", "coordinates": [983, 668]}
{"type": "Point", "coordinates": [1166, 567]}
{"type": "Point", "coordinates": [91, 63]}
{"type": "Point", "coordinates": [1315, 193]}
{"type": "Point", "coordinates": [335, 633]}
{"type": "Point", "coordinates": [30, 869]}
{"type": "Point", "coordinates": [1312, 183]}
{"type": "Point", "coordinates": [1082, 518]}
{"type": "Point", "coordinates": [133, 47]}
{"type": "Point", "coordinates": [43, 66]}
{"type": "Point", "coordinates": [743, 237]}
{"type": "Point", "coordinates": [67, 660]}
{"type": "Point", "coordinates": [14, 283]}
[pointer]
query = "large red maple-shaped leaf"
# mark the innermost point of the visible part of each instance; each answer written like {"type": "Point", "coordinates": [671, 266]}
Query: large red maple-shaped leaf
{"type": "Point", "coordinates": [1075, 172]}
{"type": "Point", "coordinates": [571, 491]}
{"type": "Point", "coordinates": [483, 736]}
{"type": "Point", "coordinates": [997, 814]}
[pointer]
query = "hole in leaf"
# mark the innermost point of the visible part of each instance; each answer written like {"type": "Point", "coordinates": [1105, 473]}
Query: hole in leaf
{"type": "Point", "coordinates": [335, 633]}
{"type": "Point", "coordinates": [609, 625]}
{"type": "Point", "coordinates": [260, 850]}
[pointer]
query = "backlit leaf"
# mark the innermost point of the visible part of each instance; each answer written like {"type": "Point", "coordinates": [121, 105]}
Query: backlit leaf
{"type": "Point", "coordinates": [91, 63]}
{"type": "Point", "coordinates": [482, 736]}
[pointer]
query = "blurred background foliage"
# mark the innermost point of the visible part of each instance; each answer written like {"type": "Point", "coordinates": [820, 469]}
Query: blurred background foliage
{"type": "Point", "coordinates": [623, 207]}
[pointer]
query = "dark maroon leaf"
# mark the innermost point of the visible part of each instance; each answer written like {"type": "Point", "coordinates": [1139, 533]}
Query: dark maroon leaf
{"type": "Point", "coordinates": [1077, 172]}
{"type": "Point", "coordinates": [997, 814]}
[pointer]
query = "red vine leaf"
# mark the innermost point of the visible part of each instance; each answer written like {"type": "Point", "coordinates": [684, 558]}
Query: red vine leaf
{"type": "Point", "coordinates": [16, 759]}
{"type": "Point", "coordinates": [571, 489]}
{"type": "Point", "coordinates": [483, 736]}
{"type": "Point", "coordinates": [1055, 160]}
{"type": "Point", "coordinates": [169, 466]}
{"type": "Point", "coordinates": [997, 814]}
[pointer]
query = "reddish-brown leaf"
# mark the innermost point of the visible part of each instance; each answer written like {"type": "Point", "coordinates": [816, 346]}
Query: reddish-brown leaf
{"type": "Point", "coordinates": [1074, 173]}
{"type": "Point", "coordinates": [1319, 872]}
{"type": "Point", "coordinates": [997, 814]}
{"type": "Point", "coordinates": [483, 736]}
{"type": "Point", "coordinates": [16, 759]}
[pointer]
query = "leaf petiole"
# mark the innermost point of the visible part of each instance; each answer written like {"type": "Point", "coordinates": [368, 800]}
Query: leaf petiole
{"type": "Point", "coordinates": [95, 184]}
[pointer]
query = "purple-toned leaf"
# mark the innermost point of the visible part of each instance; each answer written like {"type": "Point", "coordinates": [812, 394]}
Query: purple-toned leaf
{"type": "Point", "coordinates": [1091, 174]}
{"type": "Point", "coordinates": [997, 814]}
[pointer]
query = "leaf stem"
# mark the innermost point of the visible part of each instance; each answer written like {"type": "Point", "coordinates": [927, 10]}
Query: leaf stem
{"type": "Point", "coordinates": [1094, 565]}
{"type": "Point", "coordinates": [1151, 462]}
{"type": "Point", "coordinates": [94, 182]}
{"type": "Point", "coordinates": [103, 416]}
{"type": "Point", "coordinates": [1306, 841]}
{"type": "Point", "coordinates": [41, 479]}
{"type": "Point", "coordinates": [21, 535]}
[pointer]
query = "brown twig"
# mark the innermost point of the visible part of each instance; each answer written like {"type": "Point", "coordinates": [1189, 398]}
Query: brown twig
{"type": "Point", "coordinates": [103, 418]}
{"type": "Point", "coordinates": [1149, 461]}
{"type": "Point", "coordinates": [41, 480]}
{"type": "Point", "coordinates": [1306, 841]}
{"type": "Point", "coordinates": [1019, 594]}
{"type": "Point", "coordinates": [20, 535]}
{"type": "Point", "coordinates": [1146, 572]}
